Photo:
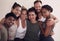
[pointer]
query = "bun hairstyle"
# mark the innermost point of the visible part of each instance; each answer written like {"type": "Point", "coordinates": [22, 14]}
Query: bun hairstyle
{"type": "Point", "coordinates": [49, 8]}
{"type": "Point", "coordinates": [16, 5]}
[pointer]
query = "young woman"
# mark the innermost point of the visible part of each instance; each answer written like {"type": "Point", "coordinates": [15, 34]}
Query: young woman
{"type": "Point", "coordinates": [22, 27]}
{"type": "Point", "coordinates": [4, 28]}
{"type": "Point", "coordinates": [33, 28]}
{"type": "Point", "coordinates": [48, 24]}
{"type": "Point", "coordinates": [16, 9]}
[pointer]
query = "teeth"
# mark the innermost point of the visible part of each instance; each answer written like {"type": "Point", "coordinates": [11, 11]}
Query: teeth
{"type": "Point", "coordinates": [10, 23]}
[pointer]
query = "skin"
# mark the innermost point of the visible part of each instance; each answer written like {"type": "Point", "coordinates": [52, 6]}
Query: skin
{"type": "Point", "coordinates": [23, 18]}
{"type": "Point", "coordinates": [45, 13]}
{"type": "Point", "coordinates": [24, 15]}
{"type": "Point", "coordinates": [32, 17]}
{"type": "Point", "coordinates": [40, 16]}
{"type": "Point", "coordinates": [38, 6]}
{"type": "Point", "coordinates": [9, 21]}
{"type": "Point", "coordinates": [16, 11]}
{"type": "Point", "coordinates": [50, 21]}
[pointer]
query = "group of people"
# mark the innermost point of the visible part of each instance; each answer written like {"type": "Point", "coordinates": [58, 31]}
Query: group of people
{"type": "Point", "coordinates": [35, 24]}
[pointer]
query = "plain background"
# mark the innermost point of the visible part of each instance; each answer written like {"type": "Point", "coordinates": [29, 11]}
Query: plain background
{"type": "Point", "coordinates": [5, 7]}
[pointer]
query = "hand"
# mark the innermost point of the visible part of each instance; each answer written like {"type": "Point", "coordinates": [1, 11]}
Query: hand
{"type": "Point", "coordinates": [50, 22]}
{"type": "Point", "coordinates": [52, 33]}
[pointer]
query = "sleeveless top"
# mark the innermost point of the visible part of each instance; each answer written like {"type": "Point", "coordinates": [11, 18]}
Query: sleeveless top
{"type": "Point", "coordinates": [21, 31]}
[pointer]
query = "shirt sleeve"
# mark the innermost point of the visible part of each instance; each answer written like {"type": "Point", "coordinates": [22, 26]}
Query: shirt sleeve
{"type": "Point", "coordinates": [3, 34]}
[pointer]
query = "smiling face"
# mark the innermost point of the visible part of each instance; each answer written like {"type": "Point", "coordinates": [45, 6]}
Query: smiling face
{"type": "Point", "coordinates": [17, 11]}
{"type": "Point", "coordinates": [32, 16]}
{"type": "Point", "coordinates": [45, 12]}
{"type": "Point", "coordinates": [24, 15]}
{"type": "Point", "coordinates": [9, 21]}
{"type": "Point", "coordinates": [38, 6]}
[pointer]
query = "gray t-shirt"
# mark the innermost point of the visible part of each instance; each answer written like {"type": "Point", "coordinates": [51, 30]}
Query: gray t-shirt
{"type": "Point", "coordinates": [33, 31]}
{"type": "Point", "coordinates": [3, 34]}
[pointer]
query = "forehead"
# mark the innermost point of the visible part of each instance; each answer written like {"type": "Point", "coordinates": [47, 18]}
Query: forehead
{"type": "Point", "coordinates": [43, 9]}
{"type": "Point", "coordinates": [18, 8]}
{"type": "Point", "coordinates": [12, 18]}
{"type": "Point", "coordinates": [30, 13]}
{"type": "Point", "coordinates": [38, 4]}
{"type": "Point", "coordinates": [24, 12]}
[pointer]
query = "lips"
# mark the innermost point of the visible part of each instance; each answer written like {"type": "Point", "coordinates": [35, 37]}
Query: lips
{"type": "Point", "coordinates": [11, 23]}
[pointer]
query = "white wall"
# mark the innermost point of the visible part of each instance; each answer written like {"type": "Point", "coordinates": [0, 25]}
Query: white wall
{"type": "Point", "coordinates": [5, 7]}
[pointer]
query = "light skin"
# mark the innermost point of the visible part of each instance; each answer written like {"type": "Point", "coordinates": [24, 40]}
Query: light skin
{"type": "Point", "coordinates": [23, 18]}
{"type": "Point", "coordinates": [40, 15]}
{"type": "Point", "coordinates": [17, 11]}
{"type": "Point", "coordinates": [38, 6]}
{"type": "Point", "coordinates": [32, 17]}
{"type": "Point", "coordinates": [24, 15]}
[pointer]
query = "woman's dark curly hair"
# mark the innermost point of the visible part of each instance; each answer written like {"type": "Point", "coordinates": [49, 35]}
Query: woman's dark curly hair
{"type": "Point", "coordinates": [49, 8]}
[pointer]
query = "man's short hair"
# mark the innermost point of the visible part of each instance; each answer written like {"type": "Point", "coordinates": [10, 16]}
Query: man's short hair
{"type": "Point", "coordinates": [10, 15]}
{"type": "Point", "coordinates": [38, 1]}
{"type": "Point", "coordinates": [31, 10]}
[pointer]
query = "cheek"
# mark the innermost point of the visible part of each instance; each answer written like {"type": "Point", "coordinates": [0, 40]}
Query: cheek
{"type": "Point", "coordinates": [19, 12]}
{"type": "Point", "coordinates": [14, 11]}
{"type": "Point", "coordinates": [7, 22]}
{"type": "Point", "coordinates": [47, 14]}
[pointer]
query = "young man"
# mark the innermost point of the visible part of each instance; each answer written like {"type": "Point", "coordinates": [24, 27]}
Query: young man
{"type": "Point", "coordinates": [37, 6]}
{"type": "Point", "coordinates": [4, 28]}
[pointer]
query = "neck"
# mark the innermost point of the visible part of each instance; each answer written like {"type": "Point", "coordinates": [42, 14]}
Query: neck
{"type": "Point", "coordinates": [33, 21]}
{"type": "Point", "coordinates": [22, 20]}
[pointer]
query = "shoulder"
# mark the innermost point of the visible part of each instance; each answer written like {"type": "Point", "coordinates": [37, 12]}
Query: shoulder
{"type": "Point", "coordinates": [28, 22]}
{"type": "Point", "coordinates": [2, 20]}
{"type": "Point", "coordinates": [2, 28]}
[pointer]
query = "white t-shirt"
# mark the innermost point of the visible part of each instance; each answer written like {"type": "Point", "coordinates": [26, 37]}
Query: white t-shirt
{"type": "Point", "coordinates": [12, 32]}
{"type": "Point", "coordinates": [20, 31]}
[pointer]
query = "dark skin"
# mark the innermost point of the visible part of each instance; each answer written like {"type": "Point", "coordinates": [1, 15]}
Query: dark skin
{"type": "Point", "coordinates": [47, 31]}
{"type": "Point", "coordinates": [49, 22]}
